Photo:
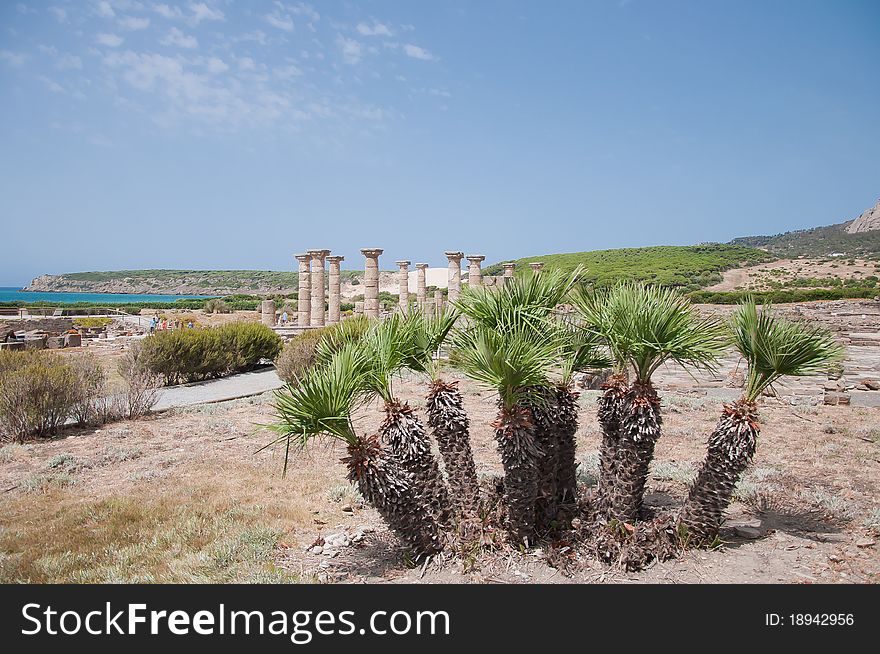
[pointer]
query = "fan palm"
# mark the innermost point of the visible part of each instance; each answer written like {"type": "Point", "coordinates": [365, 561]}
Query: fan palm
{"type": "Point", "coordinates": [510, 344]}
{"type": "Point", "coordinates": [446, 415]}
{"type": "Point", "coordinates": [321, 405]}
{"type": "Point", "coordinates": [515, 363]}
{"type": "Point", "coordinates": [645, 327]}
{"type": "Point", "coordinates": [578, 350]}
{"type": "Point", "coordinates": [772, 348]}
{"type": "Point", "coordinates": [390, 347]}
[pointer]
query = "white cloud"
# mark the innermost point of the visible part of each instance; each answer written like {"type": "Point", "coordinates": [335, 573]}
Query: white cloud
{"type": "Point", "coordinates": [104, 10]}
{"type": "Point", "coordinates": [168, 12]}
{"type": "Point", "coordinates": [216, 66]}
{"type": "Point", "coordinates": [110, 40]}
{"type": "Point", "coordinates": [177, 38]}
{"type": "Point", "coordinates": [281, 21]}
{"type": "Point", "coordinates": [58, 13]}
{"type": "Point", "coordinates": [303, 9]}
{"type": "Point", "coordinates": [416, 52]}
{"type": "Point", "coordinates": [134, 23]}
{"type": "Point", "coordinates": [14, 59]}
{"type": "Point", "coordinates": [257, 36]}
{"type": "Point", "coordinates": [201, 11]}
{"type": "Point", "coordinates": [376, 29]}
{"type": "Point", "coordinates": [52, 85]}
{"type": "Point", "coordinates": [287, 72]}
{"type": "Point", "coordinates": [352, 51]}
{"type": "Point", "coordinates": [246, 63]}
{"type": "Point", "coordinates": [68, 62]}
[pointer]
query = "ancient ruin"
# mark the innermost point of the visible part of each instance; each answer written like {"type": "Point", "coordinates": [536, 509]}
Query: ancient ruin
{"type": "Point", "coordinates": [267, 313]}
{"type": "Point", "coordinates": [371, 281]}
{"type": "Point", "coordinates": [475, 273]}
{"type": "Point", "coordinates": [318, 298]}
{"type": "Point", "coordinates": [303, 307]}
{"type": "Point", "coordinates": [421, 286]}
{"type": "Point", "coordinates": [537, 266]}
{"type": "Point", "coordinates": [403, 301]}
{"type": "Point", "coordinates": [333, 313]}
{"type": "Point", "coordinates": [454, 286]}
{"type": "Point", "coordinates": [508, 271]}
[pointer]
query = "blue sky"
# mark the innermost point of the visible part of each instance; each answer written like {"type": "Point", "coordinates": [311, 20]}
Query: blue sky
{"type": "Point", "coordinates": [220, 134]}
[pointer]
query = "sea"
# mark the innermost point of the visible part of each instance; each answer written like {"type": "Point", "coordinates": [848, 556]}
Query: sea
{"type": "Point", "coordinates": [14, 294]}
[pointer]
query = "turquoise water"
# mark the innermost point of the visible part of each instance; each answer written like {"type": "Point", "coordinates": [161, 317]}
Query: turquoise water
{"type": "Point", "coordinates": [12, 294]}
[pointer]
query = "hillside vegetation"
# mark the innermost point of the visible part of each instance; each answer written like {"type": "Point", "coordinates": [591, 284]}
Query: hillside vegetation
{"type": "Point", "coordinates": [690, 267]}
{"type": "Point", "coordinates": [818, 242]}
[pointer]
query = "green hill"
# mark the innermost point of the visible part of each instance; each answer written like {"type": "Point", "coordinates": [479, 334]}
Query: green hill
{"type": "Point", "coordinates": [818, 242]}
{"type": "Point", "coordinates": [688, 266]}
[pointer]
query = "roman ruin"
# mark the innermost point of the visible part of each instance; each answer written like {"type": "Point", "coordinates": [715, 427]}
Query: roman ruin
{"type": "Point", "coordinates": [475, 272]}
{"type": "Point", "coordinates": [454, 286]}
{"type": "Point", "coordinates": [421, 286]}
{"type": "Point", "coordinates": [403, 288]}
{"type": "Point", "coordinates": [371, 281]}
{"type": "Point", "coordinates": [333, 313]}
{"type": "Point", "coordinates": [318, 298]}
{"type": "Point", "coordinates": [303, 306]}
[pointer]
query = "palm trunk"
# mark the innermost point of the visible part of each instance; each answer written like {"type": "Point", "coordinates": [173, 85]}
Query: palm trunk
{"type": "Point", "coordinates": [450, 425]}
{"type": "Point", "coordinates": [515, 434]}
{"type": "Point", "coordinates": [731, 448]}
{"type": "Point", "coordinates": [566, 451]}
{"type": "Point", "coordinates": [609, 413]}
{"type": "Point", "coordinates": [392, 491]}
{"type": "Point", "coordinates": [406, 436]}
{"type": "Point", "coordinates": [545, 413]}
{"type": "Point", "coordinates": [639, 430]}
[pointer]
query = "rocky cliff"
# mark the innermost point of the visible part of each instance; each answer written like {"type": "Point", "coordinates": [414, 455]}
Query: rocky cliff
{"type": "Point", "coordinates": [867, 222]}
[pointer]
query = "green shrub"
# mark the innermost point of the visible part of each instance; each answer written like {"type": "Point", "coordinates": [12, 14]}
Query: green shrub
{"type": "Point", "coordinates": [37, 393]}
{"type": "Point", "coordinates": [197, 354]}
{"type": "Point", "coordinates": [216, 306]}
{"type": "Point", "coordinates": [92, 322]}
{"type": "Point", "coordinates": [249, 342]}
{"type": "Point", "coordinates": [300, 353]}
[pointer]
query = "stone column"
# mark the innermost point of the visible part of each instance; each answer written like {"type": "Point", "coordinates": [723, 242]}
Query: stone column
{"type": "Point", "coordinates": [454, 285]}
{"type": "Point", "coordinates": [403, 288]}
{"type": "Point", "coordinates": [318, 298]}
{"type": "Point", "coordinates": [359, 307]}
{"type": "Point", "coordinates": [475, 272]}
{"type": "Point", "coordinates": [537, 266]}
{"type": "Point", "coordinates": [334, 290]}
{"type": "Point", "coordinates": [304, 304]}
{"type": "Point", "coordinates": [421, 287]}
{"type": "Point", "coordinates": [438, 303]}
{"type": "Point", "coordinates": [371, 282]}
{"type": "Point", "coordinates": [508, 271]}
{"type": "Point", "coordinates": [267, 313]}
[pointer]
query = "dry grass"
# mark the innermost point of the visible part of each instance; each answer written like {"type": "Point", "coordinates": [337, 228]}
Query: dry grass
{"type": "Point", "coordinates": [182, 497]}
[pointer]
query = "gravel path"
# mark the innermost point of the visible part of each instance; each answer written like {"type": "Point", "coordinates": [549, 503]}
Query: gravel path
{"type": "Point", "coordinates": [219, 390]}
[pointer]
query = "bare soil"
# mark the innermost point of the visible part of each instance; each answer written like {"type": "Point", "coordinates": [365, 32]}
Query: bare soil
{"type": "Point", "coordinates": [185, 496]}
{"type": "Point", "coordinates": [758, 277]}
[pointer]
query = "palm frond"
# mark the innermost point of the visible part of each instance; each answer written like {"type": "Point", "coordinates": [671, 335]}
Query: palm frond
{"type": "Point", "coordinates": [335, 337]}
{"type": "Point", "coordinates": [386, 347]}
{"type": "Point", "coordinates": [514, 361]}
{"type": "Point", "coordinates": [646, 326]}
{"type": "Point", "coordinates": [579, 349]}
{"type": "Point", "coordinates": [523, 300]}
{"type": "Point", "coordinates": [427, 334]}
{"type": "Point", "coordinates": [322, 402]}
{"type": "Point", "coordinates": [774, 347]}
